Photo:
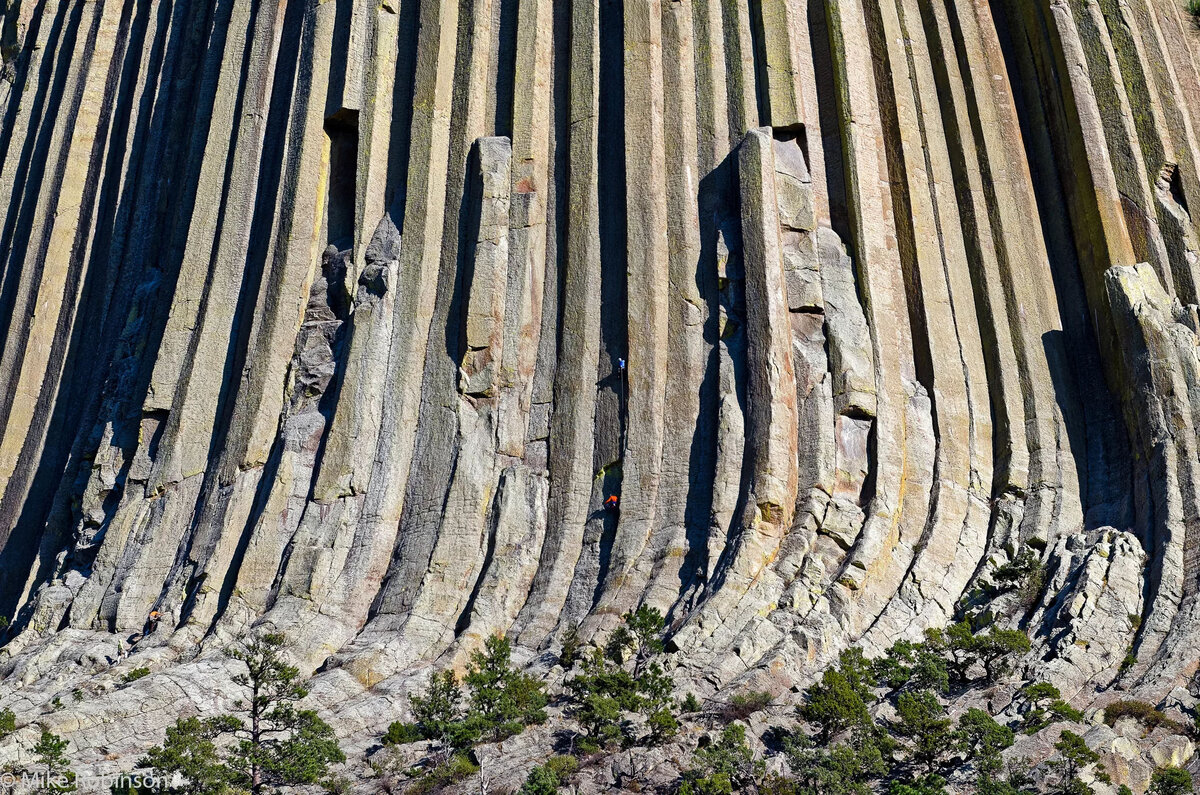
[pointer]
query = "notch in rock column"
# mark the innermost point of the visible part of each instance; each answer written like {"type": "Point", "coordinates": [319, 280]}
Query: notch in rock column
{"type": "Point", "coordinates": [341, 194]}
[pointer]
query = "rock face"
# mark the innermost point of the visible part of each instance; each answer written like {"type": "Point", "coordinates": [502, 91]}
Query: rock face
{"type": "Point", "coordinates": [346, 318]}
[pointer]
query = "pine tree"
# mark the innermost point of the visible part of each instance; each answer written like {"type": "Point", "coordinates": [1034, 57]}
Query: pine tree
{"type": "Point", "coordinates": [1074, 757]}
{"type": "Point", "coordinates": [923, 721]}
{"type": "Point", "coordinates": [639, 635]}
{"type": "Point", "coordinates": [504, 699]}
{"type": "Point", "coordinates": [190, 752]}
{"type": "Point", "coordinates": [281, 745]}
{"type": "Point", "coordinates": [834, 705]}
{"type": "Point", "coordinates": [1171, 781]}
{"type": "Point", "coordinates": [51, 753]}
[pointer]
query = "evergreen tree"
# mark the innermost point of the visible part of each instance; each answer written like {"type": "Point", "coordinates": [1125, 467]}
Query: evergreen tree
{"type": "Point", "coordinates": [51, 753]}
{"type": "Point", "coordinates": [844, 769]}
{"type": "Point", "coordinates": [606, 690]}
{"type": "Point", "coordinates": [923, 721]}
{"type": "Point", "coordinates": [1074, 757]}
{"type": "Point", "coordinates": [981, 737]}
{"type": "Point", "coordinates": [727, 765]}
{"type": "Point", "coordinates": [572, 648]}
{"type": "Point", "coordinates": [834, 705]}
{"type": "Point", "coordinates": [1046, 706]}
{"type": "Point", "coordinates": [281, 745]}
{"type": "Point", "coordinates": [277, 744]}
{"type": "Point", "coordinates": [1171, 781]}
{"type": "Point", "coordinates": [189, 754]}
{"type": "Point", "coordinates": [915, 666]}
{"type": "Point", "coordinates": [504, 699]}
{"type": "Point", "coordinates": [638, 635]}
{"type": "Point", "coordinates": [963, 649]}
{"type": "Point", "coordinates": [926, 785]}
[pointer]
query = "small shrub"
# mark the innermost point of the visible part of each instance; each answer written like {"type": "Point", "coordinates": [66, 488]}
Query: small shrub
{"type": "Point", "coordinates": [540, 781]}
{"type": "Point", "coordinates": [690, 703]}
{"type": "Point", "coordinates": [833, 705]}
{"type": "Point", "coordinates": [726, 766]}
{"type": "Point", "coordinates": [547, 778]}
{"type": "Point", "coordinates": [742, 705]}
{"type": "Point", "coordinates": [995, 650]}
{"type": "Point", "coordinates": [505, 700]}
{"type": "Point", "coordinates": [458, 767]}
{"type": "Point", "coordinates": [1025, 574]}
{"type": "Point", "coordinates": [572, 648]}
{"type": "Point", "coordinates": [928, 785]}
{"type": "Point", "coordinates": [923, 721]}
{"type": "Point", "coordinates": [623, 678]}
{"type": "Point", "coordinates": [1046, 707]}
{"type": "Point", "coordinates": [1140, 711]}
{"type": "Point", "coordinates": [663, 726]}
{"type": "Point", "coordinates": [981, 737]}
{"type": "Point", "coordinates": [8, 723]}
{"type": "Point", "coordinates": [846, 768]}
{"type": "Point", "coordinates": [1074, 757]}
{"type": "Point", "coordinates": [1171, 781]}
{"type": "Point", "coordinates": [639, 637]}
{"type": "Point", "coordinates": [563, 766]}
{"type": "Point", "coordinates": [1193, 8]}
{"type": "Point", "coordinates": [839, 701]}
{"type": "Point", "coordinates": [135, 674]}
{"type": "Point", "coordinates": [401, 733]}
{"type": "Point", "coordinates": [51, 753]}
{"type": "Point", "coordinates": [915, 666]}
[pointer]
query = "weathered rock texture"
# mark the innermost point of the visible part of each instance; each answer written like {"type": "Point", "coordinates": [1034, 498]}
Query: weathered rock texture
{"type": "Point", "coordinates": [313, 314]}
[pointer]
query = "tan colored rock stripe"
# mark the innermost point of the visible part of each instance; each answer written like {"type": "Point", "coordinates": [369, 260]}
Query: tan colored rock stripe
{"type": "Point", "coordinates": [571, 432]}
{"type": "Point", "coordinates": [360, 540]}
{"type": "Point", "coordinates": [1027, 285]}
{"type": "Point", "coordinates": [975, 114]}
{"type": "Point", "coordinates": [771, 416]}
{"type": "Point", "coordinates": [193, 421]}
{"type": "Point", "coordinates": [1160, 361]}
{"type": "Point", "coordinates": [489, 279]}
{"type": "Point", "coordinates": [482, 499]}
{"type": "Point", "coordinates": [1176, 133]}
{"type": "Point", "coordinates": [185, 444]}
{"type": "Point", "coordinates": [527, 245]}
{"type": "Point", "coordinates": [779, 30]}
{"type": "Point", "coordinates": [50, 25]}
{"type": "Point", "coordinates": [879, 272]}
{"type": "Point", "coordinates": [288, 273]}
{"type": "Point", "coordinates": [439, 422]}
{"type": "Point", "coordinates": [52, 230]}
{"type": "Point", "coordinates": [657, 572]}
{"type": "Point", "coordinates": [374, 128]}
{"type": "Point", "coordinates": [954, 539]}
{"type": "Point", "coordinates": [54, 539]}
{"type": "Point", "coordinates": [739, 69]}
{"type": "Point", "coordinates": [178, 343]}
{"type": "Point", "coordinates": [1176, 29]}
{"type": "Point", "coordinates": [1133, 143]}
{"type": "Point", "coordinates": [712, 116]}
{"type": "Point", "coordinates": [452, 564]}
{"type": "Point", "coordinates": [648, 280]}
{"type": "Point", "coordinates": [1105, 222]}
